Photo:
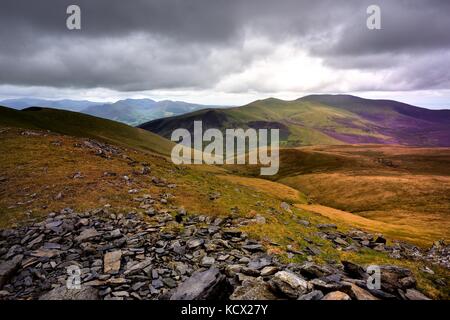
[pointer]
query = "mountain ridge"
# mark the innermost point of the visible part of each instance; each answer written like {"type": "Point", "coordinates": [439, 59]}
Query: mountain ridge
{"type": "Point", "coordinates": [326, 119]}
{"type": "Point", "coordinates": [129, 111]}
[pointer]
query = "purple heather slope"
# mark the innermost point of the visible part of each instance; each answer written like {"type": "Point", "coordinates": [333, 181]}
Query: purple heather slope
{"type": "Point", "coordinates": [403, 123]}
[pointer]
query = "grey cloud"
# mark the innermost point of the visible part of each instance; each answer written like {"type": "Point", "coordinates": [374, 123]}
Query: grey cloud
{"type": "Point", "coordinates": [165, 44]}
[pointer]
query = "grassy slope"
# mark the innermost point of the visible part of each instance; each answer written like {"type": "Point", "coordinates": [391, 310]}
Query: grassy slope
{"type": "Point", "coordinates": [81, 125]}
{"type": "Point", "coordinates": [411, 194]}
{"type": "Point", "coordinates": [35, 170]}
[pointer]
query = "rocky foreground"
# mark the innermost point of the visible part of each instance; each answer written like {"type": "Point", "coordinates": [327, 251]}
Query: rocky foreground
{"type": "Point", "coordinates": [131, 257]}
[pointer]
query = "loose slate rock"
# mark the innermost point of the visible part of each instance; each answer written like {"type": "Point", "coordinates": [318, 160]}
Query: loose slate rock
{"type": "Point", "coordinates": [62, 293]}
{"type": "Point", "coordinates": [8, 268]}
{"type": "Point", "coordinates": [412, 294]}
{"type": "Point", "coordinates": [253, 290]}
{"type": "Point", "coordinates": [111, 261]}
{"type": "Point", "coordinates": [194, 243]}
{"type": "Point", "coordinates": [313, 295]}
{"type": "Point", "coordinates": [206, 285]}
{"type": "Point", "coordinates": [138, 266]}
{"type": "Point", "coordinates": [289, 284]}
{"type": "Point", "coordinates": [87, 234]}
{"type": "Point", "coordinates": [359, 293]}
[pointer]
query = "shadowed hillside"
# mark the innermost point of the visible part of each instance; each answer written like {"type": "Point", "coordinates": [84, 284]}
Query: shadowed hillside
{"type": "Point", "coordinates": [81, 125]}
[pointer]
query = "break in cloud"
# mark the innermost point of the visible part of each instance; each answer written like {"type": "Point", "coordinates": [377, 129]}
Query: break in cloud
{"type": "Point", "coordinates": [225, 51]}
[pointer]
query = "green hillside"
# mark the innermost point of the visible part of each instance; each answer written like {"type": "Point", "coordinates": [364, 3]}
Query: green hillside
{"type": "Point", "coordinates": [325, 120]}
{"type": "Point", "coordinates": [82, 125]}
{"type": "Point", "coordinates": [300, 122]}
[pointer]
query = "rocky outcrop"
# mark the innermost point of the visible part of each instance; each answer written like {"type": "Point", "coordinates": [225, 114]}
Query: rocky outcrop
{"type": "Point", "coordinates": [117, 257]}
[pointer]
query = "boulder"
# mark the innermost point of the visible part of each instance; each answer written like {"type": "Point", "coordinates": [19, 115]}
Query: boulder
{"type": "Point", "coordinates": [268, 271]}
{"type": "Point", "coordinates": [412, 294]}
{"type": "Point", "coordinates": [289, 284]}
{"type": "Point", "coordinates": [336, 295]}
{"type": "Point", "coordinates": [358, 293]}
{"type": "Point", "coordinates": [393, 278]}
{"type": "Point", "coordinates": [63, 293]}
{"type": "Point", "coordinates": [255, 289]}
{"type": "Point", "coordinates": [203, 285]}
{"type": "Point", "coordinates": [354, 271]}
{"type": "Point", "coordinates": [310, 270]}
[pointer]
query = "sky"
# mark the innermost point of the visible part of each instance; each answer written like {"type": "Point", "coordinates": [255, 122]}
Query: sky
{"type": "Point", "coordinates": [225, 52]}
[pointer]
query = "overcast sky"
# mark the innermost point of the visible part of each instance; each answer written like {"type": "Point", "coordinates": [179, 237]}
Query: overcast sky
{"type": "Point", "coordinates": [226, 52]}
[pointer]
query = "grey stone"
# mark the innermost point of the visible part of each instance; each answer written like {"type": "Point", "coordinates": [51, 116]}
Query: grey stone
{"type": "Point", "coordinates": [253, 247]}
{"type": "Point", "coordinates": [87, 234]}
{"type": "Point", "coordinates": [205, 285]}
{"type": "Point", "coordinates": [194, 243]}
{"type": "Point", "coordinates": [286, 207]}
{"type": "Point", "coordinates": [412, 294]}
{"type": "Point", "coordinates": [289, 284]}
{"type": "Point", "coordinates": [8, 268]}
{"type": "Point", "coordinates": [313, 295]}
{"type": "Point", "coordinates": [169, 282]}
{"type": "Point", "coordinates": [268, 271]}
{"type": "Point", "coordinates": [138, 266]}
{"type": "Point", "coordinates": [207, 261]}
{"type": "Point", "coordinates": [253, 290]}
{"type": "Point", "coordinates": [111, 261]}
{"type": "Point", "coordinates": [62, 293]}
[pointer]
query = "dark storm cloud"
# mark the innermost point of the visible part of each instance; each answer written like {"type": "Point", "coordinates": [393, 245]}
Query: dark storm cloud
{"type": "Point", "coordinates": [166, 44]}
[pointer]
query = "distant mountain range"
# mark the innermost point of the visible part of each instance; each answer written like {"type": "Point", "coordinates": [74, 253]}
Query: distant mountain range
{"type": "Point", "coordinates": [324, 119]}
{"type": "Point", "coordinates": [129, 111]}
{"type": "Point", "coordinates": [66, 104]}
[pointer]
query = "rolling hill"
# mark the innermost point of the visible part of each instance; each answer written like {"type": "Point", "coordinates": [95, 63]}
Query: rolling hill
{"type": "Point", "coordinates": [129, 111]}
{"type": "Point", "coordinates": [324, 119]}
{"type": "Point", "coordinates": [82, 125]}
